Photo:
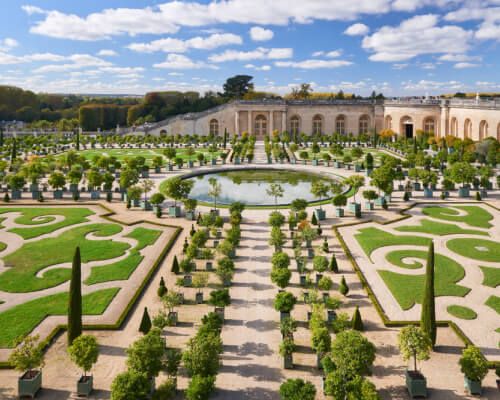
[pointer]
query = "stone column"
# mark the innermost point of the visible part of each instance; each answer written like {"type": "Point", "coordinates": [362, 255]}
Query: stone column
{"type": "Point", "coordinates": [283, 121]}
{"type": "Point", "coordinates": [237, 122]}
{"type": "Point", "coordinates": [249, 127]}
{"type": "Point", "coordinates": [271, 122]}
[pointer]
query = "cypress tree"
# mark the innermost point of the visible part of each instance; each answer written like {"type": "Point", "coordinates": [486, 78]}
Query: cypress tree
{"type": "Point", "coordinates": [343, 288]}
{"type": "Point", "coordinates": [333, 264]}
{"type": "Point", "coordinates": [198, 220]}
{"type": "Point", "coordinates": [145, 326]}
{"type": "Point", "coordinates": [357, 322]}
{"type": "Point", "coordinates": [1, 137]}
{"type": "Point", "coordinates": [175, 266]}
{"type": "Point", "coordinates": [225, 137]}
{"type": "Point", "coordinates": [13, 154]}
{"type": "Point", "coordinates": [192, 231]}
{"type": "Point", "coordinates": [428, 317]}
{"type": "Point", "coordinates": [314, 220]}
{"type": "Point", "coordinates": [185, 246]}
{"type": "Point", "coordinates": [77, 139]}
{"type": "Point", "coordinates": [162, 289]}
{"type": "Point", "coordinates": [325, 246]}
{"type": "Point", "coordinates": [75, 299]}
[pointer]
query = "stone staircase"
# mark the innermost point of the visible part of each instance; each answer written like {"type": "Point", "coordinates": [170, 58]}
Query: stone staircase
{"type": "Point", "coordinates": [259, 155]}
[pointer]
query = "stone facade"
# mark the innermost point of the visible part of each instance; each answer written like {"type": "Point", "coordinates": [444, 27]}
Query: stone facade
{"type": "Point", "coordinates": [462, 118]}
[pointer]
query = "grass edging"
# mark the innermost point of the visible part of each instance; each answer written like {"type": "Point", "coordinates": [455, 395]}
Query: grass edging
{"type": "Point", "coordinates": [138, 293]}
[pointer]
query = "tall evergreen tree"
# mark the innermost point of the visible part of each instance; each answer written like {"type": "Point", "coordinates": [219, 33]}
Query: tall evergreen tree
{"type": "Point", "coordinates": [14, 150]}
{"type": "Point", "coordinates": [175, 266]}
{"type": "Point", "coordinates": [357, 322]}
{"type": "Point", "coordinates": [225, 137]}
{"type": "Point", "coordinates": [1, 137]}
{"type": "Point", "coordinates": [75, 299]}
{"type": "Point", "coordinates": [77, 139]}
{"type": "Point", "coordinates": [145, 326]}
{"type": "Point", "coordinates": [428, 317]}
{"type": "Point", "coordinates": [333, 264]}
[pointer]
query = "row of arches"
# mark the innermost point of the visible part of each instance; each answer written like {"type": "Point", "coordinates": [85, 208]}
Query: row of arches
{"type": "Point", "coordinates": [428, 125]}
{"type": "Point", "coordinates": [318, 124]}
{"type": "Point", "coordinates": [484, 129]}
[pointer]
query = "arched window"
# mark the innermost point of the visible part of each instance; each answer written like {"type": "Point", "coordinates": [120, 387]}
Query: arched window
{"type": "Point", "coordinates": [388, 122]}
{"type": "Point", "coordinates": [340, 125]}
{"type": "Point", "coordinates": [498, 132]}
{"type": "Point", "coordinates": [364, 124]}
{"type": "Point", "coordinates": [429, 125]}
{"type": "Point", "coordinates": [261, 125]}
{"type": "Point", "coordinates": [294, 125]}
{"type": "Point", "coordinates": [467, 128]}
{"type": "Point", "coordinates": [454, 127]}
{"type": "Point", "coordinates": [214, 127]}
{"type": "Point", "coordinates": [317, 125]}
{"type": "Point", "coordinates": [483, 130]}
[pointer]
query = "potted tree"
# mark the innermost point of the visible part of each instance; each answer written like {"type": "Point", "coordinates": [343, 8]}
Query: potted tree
{"type": "Point", "coordinates": [170, 153]}
{"type": "Point", "coordinates": [474, 366]}
{"type": "Point", "coordinates": [414, 343]}
{"type": "Point", "coordinates": [170, 301]}
{"type": "Point", "coordinates": [200, 280]}
{"type": "Point", "coordinates": [157, 200]}
{"type": "Point", "coordinates": [339, 201]}
{"type": "Point", "coordinates": [370, 196]}
{"type": "Point", "coordinates": [190, 208]}
{"type": "Point", "coordinates": [225, 271]}
{"type": "Point", "coordinates": [134, 195]}
{"type": "Point", "coordinates": [94, 179]}
{"type": "Point", "coordinates": [284, 303]}
{"type": "Point", "coordinates": [27, 357]}
{"type": "Point", "coordinates": [355, 182]}
{"type": "Point", "coordinates": [320, 190]}
{"type": "Point", "coordinates": [429, 180]}
{"type": "Point", "coordinates": [214, 192]}
{"type": "Point", "coordinates": [462, 173]}
{"type": "Point", "coordinates": [320, 264]}
{"type": "Point", "coordinates": [187, 266]}
{"type": "Point", "coordinates": [287, 347]}
{"type": "Point", "coordinates": [177, 189]}
{"type": "Point", "coordinates": [84, 352]}
{"type": "Point", "coordinates": [16, 183]}
{"type": "Point", "coordinates": [157, 164]}
{"type": "Point", "coordinates": [146, 185]}
{"type": "Point", "coordinates": [220, 299]}
{"type": "Point", "coordinates": [57, 180]}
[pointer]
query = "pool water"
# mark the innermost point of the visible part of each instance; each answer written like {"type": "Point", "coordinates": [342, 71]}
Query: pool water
{"type": "Point", "coordinates": [250, 186]}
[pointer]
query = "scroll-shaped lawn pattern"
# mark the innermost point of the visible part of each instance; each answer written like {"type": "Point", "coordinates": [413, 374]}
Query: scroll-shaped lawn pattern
{"type": "Point", "coordinates": [20, 320]}
{"type": "Point", "coordinates": [41, 216]}
{"type": "Point", "coordinates": [409, 289]}
{"type": "Point", "coordinates": [35, 256]}
{"type": "Point", "coordinates": [491, 276]}
{"type": "Point", "coordinates": [477, 249]}
{"type": "Point", "coordinates": [494, 303]}
{"type": "Point", "coordinates": [439, 228]}
{"type": "Point", "coordinates": [122, 270]}
{"type": "Point", "coordinates": [371, 239]}
{"type": "Point", "coordinates": [475, 216]}
{"type": "Point", "coordinates": [461, 312]}
{"type": "Point", "coordinates": [405, 258]}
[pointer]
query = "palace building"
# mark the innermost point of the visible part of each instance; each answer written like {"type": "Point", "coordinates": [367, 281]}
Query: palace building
{"type": "Point", "coordinates": [464, 118]}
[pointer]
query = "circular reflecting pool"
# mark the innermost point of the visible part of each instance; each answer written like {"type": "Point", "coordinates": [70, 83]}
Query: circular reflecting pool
{"type": "Point", "coordinates": [250, 186]}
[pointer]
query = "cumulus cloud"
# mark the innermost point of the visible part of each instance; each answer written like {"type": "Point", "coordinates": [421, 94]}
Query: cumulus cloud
{"type": "Point", "coordinates": [486, 11]}
{"type": "Point", "coordinates": [357, 30]}
{"type": "Point", "coordinates": [173, 45]}
{"type": "Point", "coordinates": [416, 36]}
{"type": "Point", "coordinates": [329, 54]}
{"type": "Point", "coordinates": [180, 61]}
{"type": "Point", "coordinates": [260, 53]}
{"type": "Point", "coordinates": [313, 64]}
{"type": "Point", "coordinates": [8, 44]}
{"type": "Point", "coordinates": [258, 68]}
{"type": "Point", "coordinates": [459, 58]}
{"type": "Point", "coordinates": [463, 65]}
{"type": "Point", "coordinates": [78, 61]}
{"type": "Point", "coordinates": [259, 34]}
{"type": "Point", "coordinates": [107, 53]}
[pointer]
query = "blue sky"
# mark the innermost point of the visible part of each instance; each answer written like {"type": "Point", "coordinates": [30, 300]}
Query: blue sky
{"type": "Point", "coordinates": [398, 47]}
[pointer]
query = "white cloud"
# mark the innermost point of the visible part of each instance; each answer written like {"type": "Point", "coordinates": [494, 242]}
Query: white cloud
{"type": "Point", "coordinates": [423, 85]}
{"type": "Point", "coordinates": [463, 65]}
{"type": "Point", "coordinates": [400, 66]}
{"type": "Point", "coordinates": [31, 10]}
{"type": "Point", "coordinates": [259, 34]}
{"type": "Point", "coordinates": [8, 44]}
{"type": "Point", "coordinates": [179, 61]}
{"type": "Point", "coordinates": [412, 5]}
{"type": "Point", "coordinates": [329, 54]}
{"type": "Point", "coordinates": [44, 57]}
{"type": "Point", "coordinates": [313, 64]}
{"type": "Point", "coordinates": [170, 16]}
{"type": "Point", "coordinates": [459, 58]}
{"type": "Point", "coordinates": [173, 45]}
{"type": "Point", "coordinates": [357, 30]}
{"type": "Point", "coordinates": [416, 36]}
{"type": "Point", "coordinates": [260, 53]}
{"type": "Point", "coordinates": [258, 68]}
{"type": "Point", "coordinates": [107, 53]}
{"type": "Point", "coordinates": [78, 61]}
{"type": "Point", "coordinates": [486, 11]}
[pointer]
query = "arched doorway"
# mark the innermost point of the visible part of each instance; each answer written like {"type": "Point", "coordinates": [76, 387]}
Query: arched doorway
{"type": "Point", "coordinates": [498, 132]}
{"type": "Point", "coordinates": [388, 122]}
{"type": "Point", "coordinates": [483, 130]}
{"type": "Point", "coordinates": [454, 127]}
{"type": "Point", "coordinates": [406, 127]}
{"type": "Point", "coordinates": [364, 124]}
{"type": "Point", "coordinates": [467, 128]}
{"type": "Point", "coordinates": [295, 126]}
{"type": "Point", "coordinates": [340, 123]}
{"type": "Point", "coordinates": [430, 126]}
{"type": "Point", "coordinates": [317, 125]}
{"type": "Point", "coordinates": [214, 127]}
{"type": "Point", "coordinates": [260, 125]}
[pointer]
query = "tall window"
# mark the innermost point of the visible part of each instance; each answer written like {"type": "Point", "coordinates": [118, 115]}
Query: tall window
{"type": "Point", "coordinates": [260, 125]}
{"type": "Point", "coordinates": [364, 124]}
{"type": "Point", "coordinates": [317, 125]}
{"type": "Point", "coordinates": [467, 128]}
{"type": "Point", "coordinates": [454, 127]}
{"type": "Point", "coordinates": [340, 125]}
{"type": "Point", "coordinates": [388, 122]}
{"type": "Point", "coordinates": [429, 125]}
{"type": "Point", "coordinates": [294, 125]}
{"type": "Point", "coordinates": [214, 127]}
{"type": "Point", "coordinates": [483, 130]}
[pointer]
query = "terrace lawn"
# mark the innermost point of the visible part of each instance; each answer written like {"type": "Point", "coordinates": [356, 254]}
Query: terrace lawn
{"type": "Point", "coordinates": [32, 257]}
{"type": "Point", "coordinates": [477, 249]}
{"type": "Point", "coordinates": [33, 216]}
{"type": "Point", "coordinates": [409, 289]}
{"type": "Point", "coordinates": [491, 276]}
{"type": "Point", "coordinates": [439, 228]}
{"type": "Point", "coordinates": [20, 320]}
{"type": "Point", "coordinates": [3, 246]}
{"type": "Point", "coordinates": [371, 239]}
{"type": "Point", "coordinates": [476, 216]}
{"type": "Point", "coordinates": [122, 270]}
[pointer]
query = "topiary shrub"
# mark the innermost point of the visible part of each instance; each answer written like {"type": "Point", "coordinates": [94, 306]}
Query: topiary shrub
{"type": "Point", "coordinates": [343, 288]}
{"type": "Point", "coordinates": [357, 322]}
{"type": "Point", "coordinates": [162, 289]}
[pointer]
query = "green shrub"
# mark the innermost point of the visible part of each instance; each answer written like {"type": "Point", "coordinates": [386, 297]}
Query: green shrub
{"type": "Point", "coordinates": [200, 387]}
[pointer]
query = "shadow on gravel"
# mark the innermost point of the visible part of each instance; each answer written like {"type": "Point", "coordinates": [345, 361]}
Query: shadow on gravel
{"type": "Point", "coordinates": [261, 325]}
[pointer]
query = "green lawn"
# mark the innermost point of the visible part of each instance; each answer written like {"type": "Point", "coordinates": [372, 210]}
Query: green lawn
{"type": "Point", "coordinates": [371, 239]}
{"type": "Point", "coordinates": [494, 303]}
{"type": "Point", "coordinates": [122, 270]}
{"type": "Point", "coordinates": [20, 320]}
{"type": "Point", "coordinates": [461, 312]}
{"type": "Point", "coordinates": [3, 246]}
{"type": "Point", "coordinates": [396, 257]}
{"type": "Point", "coordinates": [409, 289]}
{"type": "Point", "coordinates": [45, 215]}
{"type": "Point", "coordinates": [476, 216]}
{"type": "Point", "coordinates": [439, 228]}
{"type": "Point", "coordinates": [477, 249]}
{"type": "Point", "coordinates": [491, 276]}
{"type": "Point", "coordinates": [34, 256]}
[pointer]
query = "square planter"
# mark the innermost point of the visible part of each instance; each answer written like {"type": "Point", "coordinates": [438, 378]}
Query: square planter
{"type": "Point", "coordinates": [29, 385]}
{"type": "Point", "coordinates": [284, 315]}
{"type": "Point", "coordinates": [145, 173]}
{"type": "Point", "coordinates": [174, 211]}
{"type": "Point", "coordinates": [146, 205]}
{"type": "Point", "coordinates": [232, 254]}
{"type": "Point", "coordinates": [357, 168]}
{"type": "Point", "coordinates": [416, 384]}
{"type": "Point", "coordinates": [416, 186]}
{"type": "Point", "coordinates": [310, 253]}
{"type": "Point", "coordinates": [293, 161]}
{"type": "Point", "coordinates": [304, 162]}
{"type": "Point", "coordinates": [339, 212]}
{"type": "Point", "coordinates": [209, 266]}
{"type": "Point", "coordinates": [288, 361]}
{"type": "Point", "coordinates": [188, 280]}
{"type": "Point", "coordinates": [320, 214]}
{"type": "Point", "coordinates": [355, 208]}
{"type": "Point", "coordinates": [303, 280]}
{"type": "Point", "coordinates": [484, 193]}
{"type": "Point", "coordinates": [326, 163]}
{"type": "Point", "coordinates": [237, 161]}
{"type": "Point", "coordinates": [84, 385]}
{"type": "Point", "coordinates": [190, 164]}
{"type": "Point", "coordinates": [16, 195]}
{"type": "Point", "coordinates": [34, 187]}
{"type": "Point", "coordinates": [216, 243]}
{"type": "Point", "coordinates": [157, 170]}
{"type": "Point", "coordinates": [73, 187]}
{"type": "Point", "coordinates": [199, 298]}
{"type": "Point", "coordinates": [332, 315]}
{"type": "Point", "coordinates": [472, 387]}
{"type": "Point", "coordinates": [315, 163]}
{"type": "Point", "coordinates": [135, 203]}
{"type": "Point", "coordinates": [428, 193]}
{"type": "Point", "coordinates": [214, 161]}
{"type": "Point", "coordinates": [220, 312]}
{"type": "Point", "coordinates": [57, 194]}
{"type": "Point", "coordinates": [170, 167]}
{"type": "Point", "coordinates": [305, 296]}
{"type": "Point", "coordinates": [463, 192]}
{"type": "Point", "coordinates": [318, 277]}
{"type": "Point", "coordinates": [95, 195]}
{"type": "Point", "coordinates": [401, 188]}
{"type": "Point", "coordinates": [190, 215]}
{"type": "Point", "coordinates": [173, 318]}
{"type": "Point", "coordinates": [369, 206]}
